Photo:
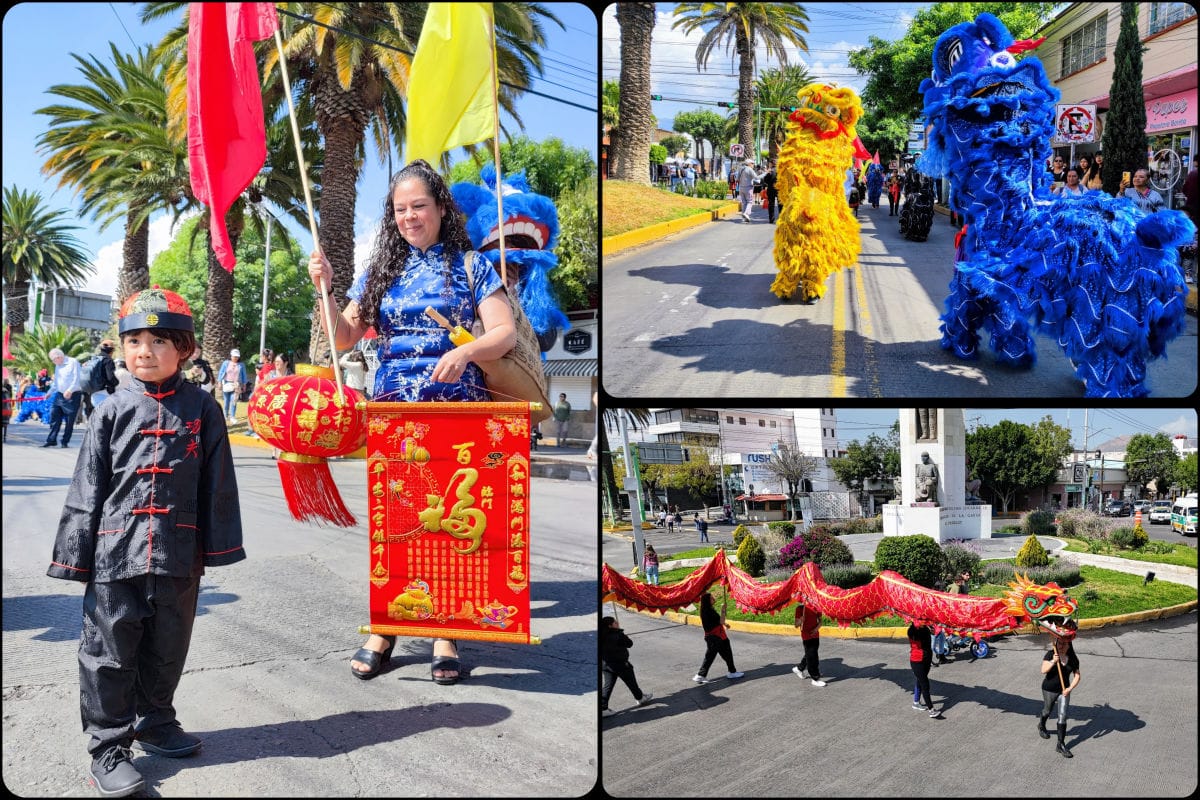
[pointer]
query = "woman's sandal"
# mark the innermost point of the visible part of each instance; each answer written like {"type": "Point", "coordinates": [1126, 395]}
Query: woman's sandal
{"type": "Point", "coordinates": [445, 664]}
{"type": "Point", "coordinates": [372, 659]}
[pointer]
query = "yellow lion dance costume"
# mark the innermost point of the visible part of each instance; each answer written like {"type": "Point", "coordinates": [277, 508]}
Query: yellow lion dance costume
{"type": "Point", "coordinates": [816, 233]}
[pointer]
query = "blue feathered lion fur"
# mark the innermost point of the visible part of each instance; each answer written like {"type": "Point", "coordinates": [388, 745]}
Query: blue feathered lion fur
{"type": "Point", "coordinates": [1093, 272]}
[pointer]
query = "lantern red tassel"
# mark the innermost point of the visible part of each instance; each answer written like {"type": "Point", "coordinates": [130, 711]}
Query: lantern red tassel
{"type": "Point", "coordinates": [303, 416]}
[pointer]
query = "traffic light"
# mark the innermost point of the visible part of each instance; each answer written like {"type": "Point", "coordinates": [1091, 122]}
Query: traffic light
{"type": "Point", "coordinates": [656, 97]}
{"type": "Point", "coordinates": [726, 104]}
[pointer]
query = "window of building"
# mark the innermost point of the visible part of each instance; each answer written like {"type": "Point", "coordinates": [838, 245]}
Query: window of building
{"type": "Point", "coordinates": [701, 415]}
{"type": "Point", "coordinates": [669, 415]}
{"type": "Point", "coordinates": [762, 423]}
{"type": "Point", "coordinates": [1085, 46]}
{"type": "Point", "coordinates": [741, 420]}
{"type": "Point", "coordinates": [774, 424]}
{"type": "Point", "coordinates": [729, 420]}
{"type": "Point", "coordinates": [1164, 15]}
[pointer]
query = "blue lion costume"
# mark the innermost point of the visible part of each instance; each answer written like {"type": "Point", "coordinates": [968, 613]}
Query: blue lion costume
{"type": "Point", "coordinates": [874, 183]}
{"type": "Point", "coordinates": [1093, 272]}
{"type": "Point", "coordinates": [530, 234]}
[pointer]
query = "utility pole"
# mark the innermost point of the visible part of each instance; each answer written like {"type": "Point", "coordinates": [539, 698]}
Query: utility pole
{"type": "Point", "coordinates": [635, 481]}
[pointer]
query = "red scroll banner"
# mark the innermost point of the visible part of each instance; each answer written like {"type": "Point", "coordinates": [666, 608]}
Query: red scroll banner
{"type": "Point", "coordinates": [448, 515]}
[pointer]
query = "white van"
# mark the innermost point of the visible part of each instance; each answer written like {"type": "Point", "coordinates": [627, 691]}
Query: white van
{"type": "Point", "coordinates": [1183, 515]}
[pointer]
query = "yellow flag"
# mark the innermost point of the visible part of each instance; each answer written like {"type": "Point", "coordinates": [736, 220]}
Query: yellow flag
{"type": "Point", "coordinates": [451, 88]}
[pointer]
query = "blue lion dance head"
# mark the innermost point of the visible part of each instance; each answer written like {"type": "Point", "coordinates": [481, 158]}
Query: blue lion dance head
{"type": "Point", "coordinates": [530, 234]}
{"type": "Point", "coordinates": [981, 100]}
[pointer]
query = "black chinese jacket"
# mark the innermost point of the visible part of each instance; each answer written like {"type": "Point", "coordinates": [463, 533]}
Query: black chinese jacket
{"type": "Point", "coordinates": [154, 489]}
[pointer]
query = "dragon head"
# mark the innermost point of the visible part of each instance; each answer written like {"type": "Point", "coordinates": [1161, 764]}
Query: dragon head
{"type": "Point", "coordinates": [1047, 605]}
{"type": "Point", "coordinates": [827, 111]}
{"type": "Point", "coordinates": [981, 102]}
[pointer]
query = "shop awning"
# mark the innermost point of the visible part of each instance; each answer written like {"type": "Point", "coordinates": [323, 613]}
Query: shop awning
{"type": "Point", "coordinates": [761, 498]}
{"type": "Point", "coordinates": [571, 367]}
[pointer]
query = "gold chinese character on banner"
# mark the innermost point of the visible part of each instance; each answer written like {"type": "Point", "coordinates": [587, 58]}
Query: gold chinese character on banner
{"type": "Point", "coordinates": [464, 521]}
{"type": "Point", "coordinates": [464, 455]}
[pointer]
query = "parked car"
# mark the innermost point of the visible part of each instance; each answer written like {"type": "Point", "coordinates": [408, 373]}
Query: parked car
{"type": "Point", "coordinates": [1142, 506]}
{"type": "Point", "coordinates": [1160, 511]}
{"type": "Point", "coordinates": [1118, 508]}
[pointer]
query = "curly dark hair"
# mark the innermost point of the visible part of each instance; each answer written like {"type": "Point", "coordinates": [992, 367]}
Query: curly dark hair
{"type": "Point", "coordinates": [390, 253]}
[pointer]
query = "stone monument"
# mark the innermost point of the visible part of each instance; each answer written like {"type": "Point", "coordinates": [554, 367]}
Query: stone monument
{"type": "Point", "coordinates": [933, 479]}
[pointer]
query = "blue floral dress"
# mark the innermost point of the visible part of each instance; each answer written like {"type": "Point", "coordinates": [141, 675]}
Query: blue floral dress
{"type": "Point", "coordinates": [410, 343]}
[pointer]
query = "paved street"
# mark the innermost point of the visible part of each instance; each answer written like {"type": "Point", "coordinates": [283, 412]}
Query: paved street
{"type": "Point", "coordinates": [267, 685]}
{"type": "Point", "coordinates": [693, 316]}
{"type": "Point", "coordinates": [1132, 723]}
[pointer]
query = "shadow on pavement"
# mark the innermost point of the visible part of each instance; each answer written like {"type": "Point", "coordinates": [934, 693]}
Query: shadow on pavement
{"type": "Point", "coordinates": [717, 286]}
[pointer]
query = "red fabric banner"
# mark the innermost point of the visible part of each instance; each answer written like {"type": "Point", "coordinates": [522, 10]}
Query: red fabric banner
{"type": "Point", "coordinates": [227, 140]}
{"type": "Point", "coordinates": [888, 593]}
{"type": "Point", "coordinates": [449, 510]}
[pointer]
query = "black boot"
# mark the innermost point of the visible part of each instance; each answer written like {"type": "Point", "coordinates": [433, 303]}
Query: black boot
{"type": "Point", "coordinates": [1042, 728]}
{"type": "Point", "coordinates": [1062, 744]}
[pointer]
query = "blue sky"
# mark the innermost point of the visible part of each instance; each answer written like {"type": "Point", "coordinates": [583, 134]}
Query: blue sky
{"type": "Point", "coordinates": [38, 39]}
{"type": "Point", "coordinates": [833, 30]}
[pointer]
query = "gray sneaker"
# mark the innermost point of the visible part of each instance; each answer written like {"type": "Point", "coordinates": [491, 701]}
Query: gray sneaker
{"type": "Point", "coordinates": [735, 675]}
{"type": "Point", "coordinates": [934, 713]}
{"type": "Point", "coordinates": [800, 672]}
{"type": "Point", "coordinates": [113, 774]}
{"type": "Point", "coordinates": [646, 698]}
{"type": "Point", "coordinates": [701, 679]}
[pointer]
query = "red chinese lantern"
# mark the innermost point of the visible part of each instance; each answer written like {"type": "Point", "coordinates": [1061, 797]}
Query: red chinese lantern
{"type": "Point", "coordinates": [302, 416]}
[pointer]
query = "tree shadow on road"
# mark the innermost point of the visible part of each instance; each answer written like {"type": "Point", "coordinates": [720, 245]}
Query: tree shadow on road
{"type": "Point", "coordinates": [716, 286]}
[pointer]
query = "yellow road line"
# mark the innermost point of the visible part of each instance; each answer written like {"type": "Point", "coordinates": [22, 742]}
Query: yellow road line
{"type": "Point", "coordinates": [837, 361]}
{"type": "Point", "coordinates": [866, 331]}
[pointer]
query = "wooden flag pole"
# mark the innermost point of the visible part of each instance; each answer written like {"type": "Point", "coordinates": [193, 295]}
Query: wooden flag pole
{"type": "Point", "coordinates": [312, 218]}
{"type": "Point", "coordinates": [496, 153]}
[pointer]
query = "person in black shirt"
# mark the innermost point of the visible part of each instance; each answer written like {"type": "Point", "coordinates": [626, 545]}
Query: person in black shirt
{"type": "Point", "coordinates": [614, 652]}
{"type": "Point", "coordinates": [716, 640]}
{"type": "Point", "coordinates": [768, 182]}
{"type": "Point", "coordinates": [1060, 676]}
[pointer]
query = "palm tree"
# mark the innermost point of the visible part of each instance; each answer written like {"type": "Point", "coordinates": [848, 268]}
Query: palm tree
{"type": "Point", "coordinates": [611, 417]}
{"type": "Point", "coordinates": [743, 25]}
{"type": "Point", "coordinates": [31, 349]}
{"type": "Point", "coordinates": [109, 142]}
{"type": "Point", "coordinates": [38, 245]}
{"type": "Point", "coordinates": [630, 148]}
{"type": "Point", "coordinates": [356, 81]}
{"type": "Point", "coordinates": [777, 88]}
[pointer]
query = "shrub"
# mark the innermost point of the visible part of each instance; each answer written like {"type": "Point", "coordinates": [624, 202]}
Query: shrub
{"type": "Point", "coordinates": [773, 541]}
{"type": "Point", "coordinates": [1032, 554]}
{"type": "Point", "coordinates": [1140, 537]}
{"type": "Point", "coordinates": [1038, 523]}
{"type": "Point", "coordinates": [739, 533]}
{"type": "Point", "coordinates": [1078, 523]}
{"type": "Point", "coordinates": [817, 545]}
{"type": "Point", "coordinates": [847, 576]}
{"type": "Point", "coordinates": [751, 557]}
{"type": "Point", "coordinates": [1000, 572]}
{"type": "Point", "coordinates": [918, 558]}
{"type": "Point", "coordinates": [1122, 538]}
{"type": "Point", "coordinates": [960, 557]}
{"type": "Point", "coordinates": [788, 529]}
{"type": "Point", "coordinates": [1064, 573]}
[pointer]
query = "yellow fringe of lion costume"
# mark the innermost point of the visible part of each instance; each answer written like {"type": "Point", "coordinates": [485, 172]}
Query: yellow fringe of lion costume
{"type": "Point", "coordinates": [816, 234]}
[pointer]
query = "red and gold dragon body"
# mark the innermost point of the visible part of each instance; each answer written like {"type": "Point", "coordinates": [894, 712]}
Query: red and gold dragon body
{"type": "Point", "coordinates": [888, 593]}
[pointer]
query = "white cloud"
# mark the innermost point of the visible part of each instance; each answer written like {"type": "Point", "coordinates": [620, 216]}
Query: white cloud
{"type": "Point", "coordinates": [1184, 424]}
{"type": "Point", "coordinates": [110, 256]}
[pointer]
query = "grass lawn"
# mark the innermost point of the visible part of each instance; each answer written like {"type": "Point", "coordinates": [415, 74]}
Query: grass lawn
{"type": "Point", "coordinates": [1181, 556]}
{"type": "Point", "coordinates": [629, 206]}
{"type": "Point", "coordinates": [1103, 593]}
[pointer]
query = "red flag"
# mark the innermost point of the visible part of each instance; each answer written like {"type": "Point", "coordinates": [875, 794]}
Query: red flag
{"type": "Point", "coordinates": [875, 160]}
{"type": "Point", "coordinates": [860, 151]}
{"type": "Point", "coordinates": [227, 139]}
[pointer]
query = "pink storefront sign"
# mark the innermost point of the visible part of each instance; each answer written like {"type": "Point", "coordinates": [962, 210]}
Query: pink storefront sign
{"type": "Point", "coordinates": [1171, 112]}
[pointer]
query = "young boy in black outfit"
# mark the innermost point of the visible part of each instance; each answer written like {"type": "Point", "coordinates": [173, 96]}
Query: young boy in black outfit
{"type": "Point", "coordinates": [614, 652]}
{"type": "Point", "coordinates": [153, 502]}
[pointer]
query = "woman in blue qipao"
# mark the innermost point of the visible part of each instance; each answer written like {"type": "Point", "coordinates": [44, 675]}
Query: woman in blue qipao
{"type": "Point", "coordinates": [418, 261]}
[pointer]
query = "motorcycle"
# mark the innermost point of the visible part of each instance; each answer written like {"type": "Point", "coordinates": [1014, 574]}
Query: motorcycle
{"type": "Point", "coordinates": [944, 644]}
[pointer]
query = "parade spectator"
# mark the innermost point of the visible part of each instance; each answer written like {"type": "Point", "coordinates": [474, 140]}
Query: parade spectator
{"type": "Point", "coordinates": [1089, 173]}
{"type": "Point", "coordinates": [809, 623]}
{"type": "Point", "coordinates": [173, 494]}
{"type": "Point", "coordinates": [201, 372]}
{"type": "Point", "coordinates": [893, 193]}
{"type": "Point", "coordinates": [689, 179]}
{"type": "Point", "coordinates": [562, 419]}
{"type": "Point", "coordinates": [265, 367]}
{"type": "Point", "coordinates": [650, 564]}
{"type": "Point", "coordinates": [1058, 170]}
{"type": "Point", "coordinates": [355, 365]}
{"type": "Point", "coordinates": [65, 399]}
{"type": "Point", "coordinates": [232, 377]}
{"type": "Point", "coordinates": [422, 257]}
{"type": "Point", "coordinates": [1072, 187]}
{"type": "Point", "coordinates": [701, 527]}
{"type": "Point", "coordinates": [746, 176]}
{"type": "Point", "coordinates": [123, 374]}
{"type": "Point", "coordinates": [716, 640]}
{"type": "Point", "coordinates": [6, 411]}
{"type": "Point", "coordinates": [1060, 676]}
{"type": "Point", "coordinates": [920, 657]}
{"type": "Point", "coordinates": [1145, 198]}
{"type": "Point", "coordinates": [768, 182]}
{"type": "Point", "coordinates": [103, 375]}
{"type": "Point", "coordinates": [1191, 190]}
{"type": "Point", "coordinates": [614, 652]}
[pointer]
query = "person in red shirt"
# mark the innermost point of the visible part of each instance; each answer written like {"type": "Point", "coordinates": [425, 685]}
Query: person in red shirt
{"type": "Point", "coordinates": [920, 657]}
{"type": "Point", "coordinates": [809, 623]}
{"type": "Point", "coordinates": [716, 640]}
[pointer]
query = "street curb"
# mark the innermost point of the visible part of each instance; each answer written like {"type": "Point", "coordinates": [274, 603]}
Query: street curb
{"type": "Point", "coordinates": [624, 241]}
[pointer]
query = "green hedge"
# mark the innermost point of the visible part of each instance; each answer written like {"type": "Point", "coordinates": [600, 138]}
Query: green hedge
{"type": "Point", "coordinates": [788, 529]}
{"type": "Point", "coordinates": [918, 558]}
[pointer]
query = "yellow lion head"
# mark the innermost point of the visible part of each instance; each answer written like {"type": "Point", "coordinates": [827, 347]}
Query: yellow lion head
{"type": "Point", "coordinates": [827, 111]}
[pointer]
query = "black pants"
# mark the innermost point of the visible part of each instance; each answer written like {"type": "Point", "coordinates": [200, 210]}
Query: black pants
{"type": "Point", "coordinates": [625, 673]}
{"type": "Point", "coordinates": [772, 197]}
{"type": "Point", "coordinates": [921, 670]}
{"type": "Point", "coordinates": [810, 661]}
{"type": "Point", "coordinates": [135, 640]}
{"type": "Point", "coordinates": [716, 646]}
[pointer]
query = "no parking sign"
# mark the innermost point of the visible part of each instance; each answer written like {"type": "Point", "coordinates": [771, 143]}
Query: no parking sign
{"type": "Point", "coordinates": [737, 150]}
{"type": "Point", "coordinates": [1074, 122]}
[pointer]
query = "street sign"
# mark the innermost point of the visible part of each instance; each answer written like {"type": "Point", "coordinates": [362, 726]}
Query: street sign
{"type": "Point", "coordinates": [1075, 123]}
{"type": "Point", "coordinates": [577, 341]}
{"type": "Point", "coordinates": [1078, 473]}
{"type": "Point", "coordinates": [737, 150]}
{"type": "Point", "coordinates": [657, 453]}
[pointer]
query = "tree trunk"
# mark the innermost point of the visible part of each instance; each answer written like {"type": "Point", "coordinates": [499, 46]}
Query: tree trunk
{"type": "Point", "coordinates": [746, 95]}
{"type": "Point", "coordinates": [17, 297]}
{"type": "Point", "coordinates": [342, 120]}
{"type": "Point", "coordinates": [218, 309]}
{"type": "Point", "coordinates": [135, 258]}
{"type": "Point", "coordinates": [608, 475]}
{"type": "Point", "coordinates": [632, 149]}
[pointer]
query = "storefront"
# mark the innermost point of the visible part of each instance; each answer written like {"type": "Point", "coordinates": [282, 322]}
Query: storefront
{"type": "Point", "coordinates": [1171, 133]}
